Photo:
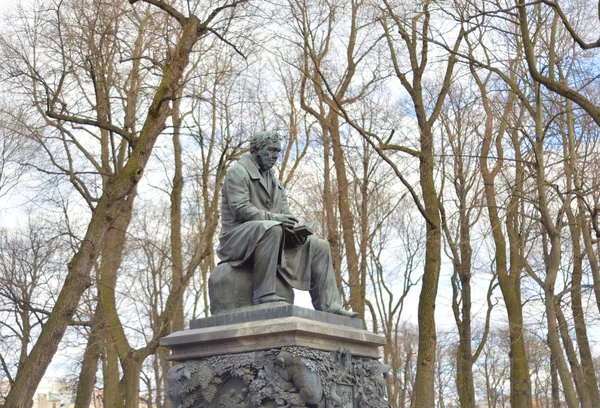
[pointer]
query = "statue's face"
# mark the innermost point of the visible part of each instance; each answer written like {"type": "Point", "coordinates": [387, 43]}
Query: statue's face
{"type": "Point", "coordinates": [268, 155]}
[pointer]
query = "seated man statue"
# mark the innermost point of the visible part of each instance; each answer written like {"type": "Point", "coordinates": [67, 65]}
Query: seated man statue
{"type": "Point", "coordinates": [256, 226]}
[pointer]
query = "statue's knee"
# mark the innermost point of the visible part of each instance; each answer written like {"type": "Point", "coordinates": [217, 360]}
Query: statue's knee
{"type": "Point", "coordinates": [321, 246]}
{"type": "Point", "coordinates": [274, 233]}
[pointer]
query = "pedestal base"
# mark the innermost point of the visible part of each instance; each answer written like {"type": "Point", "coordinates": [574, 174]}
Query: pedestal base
{"type": "Point", "coordinates": [285, 361]}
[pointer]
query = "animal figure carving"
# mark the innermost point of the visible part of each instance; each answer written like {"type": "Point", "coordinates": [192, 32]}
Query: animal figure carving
{"type": "Point", "coordinates": [177, 378]}
{"type": "Point", "coordinates": [304, 380]}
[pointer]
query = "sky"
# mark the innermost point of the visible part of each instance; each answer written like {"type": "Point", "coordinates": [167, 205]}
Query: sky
{"type": "Point", "coordinates": [6, 4]}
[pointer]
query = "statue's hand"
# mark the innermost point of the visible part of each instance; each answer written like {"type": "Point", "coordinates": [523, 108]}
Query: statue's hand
{"type": "Point", "coordinates": [285, 219]}
{"type": "Point", "coordinates": [292, 239]}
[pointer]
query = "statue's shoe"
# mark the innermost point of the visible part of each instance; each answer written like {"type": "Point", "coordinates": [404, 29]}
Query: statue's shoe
{"type": "Point", "coordinates": [268, 299]}
{"type": "Point", "coordinates": [343, 312]}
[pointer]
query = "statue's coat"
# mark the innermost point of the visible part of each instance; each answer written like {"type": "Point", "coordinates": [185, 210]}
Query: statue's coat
{"type": "Point", "coordinates": [246, 208]}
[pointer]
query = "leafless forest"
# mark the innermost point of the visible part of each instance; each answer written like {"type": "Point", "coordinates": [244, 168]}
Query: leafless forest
{"type": "Point", "coordinates": [444, 146]}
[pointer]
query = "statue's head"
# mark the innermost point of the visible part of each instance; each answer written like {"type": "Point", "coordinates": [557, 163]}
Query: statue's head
{"type": "Point", "coordinates": [265, 147]}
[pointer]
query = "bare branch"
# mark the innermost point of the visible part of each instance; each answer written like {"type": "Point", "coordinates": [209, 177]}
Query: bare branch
{"type": "Point", "coordinates": [226, 41]}
{"type": "Point", "coordinates": [215, 12]}
{"type": "Point", "coordinates": [83, 121]}
{"type": "Point", "coordinates": [550, 83]}
{"type": "Point", "coordinates": [404, 149]}
{"type": "Point", "coordinates": [569, 27]}
{"type": "Point", "coordinates": [166, 8]}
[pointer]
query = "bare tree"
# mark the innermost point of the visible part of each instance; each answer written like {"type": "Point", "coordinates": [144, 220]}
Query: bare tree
{"type": "Point", "coordinates": [119, 186]}
{"type": "Point", "coordinates": [12, 151]}
{"type": "Point", "coordinates": [29, 261]}
{"type": "Point", "coordinates": [460, 121]}
{"type": "Point", "coordinates": [492, 370]}
{"type": "Point", "coordinates": [389, 301]}
{"type": "Point", "coordinates": [578, 96]}
{"type": "Point", "coordinates": [321, 91]}
{"type": "Point", "coordinates": [414, 28]}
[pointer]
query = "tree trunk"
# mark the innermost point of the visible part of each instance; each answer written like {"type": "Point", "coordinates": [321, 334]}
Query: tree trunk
{"type": "Point", "coordinates": [461, 261]}
{"type": "Point", "coordinates": [587, 359]}
{"type": "Point", "coordinates": [578, 377]}
{"type": "Point", "coordinates": [415, 31]}
{"type": "Point", "coordinates": [519, 367]}
{"type": "Point", "coordinates": [111, 376]}
{"type": "Point", "coordinates": [130, 383]}
{"type": "Point", "coordinates": [575, 228]}
{"type": "Point", "coordinates": [508, 274]}
{"type": "Point", "coordinates": [109, 267]}
{"type": "Point", "coordinates": [333, 236]}
{"type": "Point", "coordinates": [554, 383]}
{"type": "Point", "coordinates": [346, 217]}
{"type": "Point", "coordinates": [175, 212]}
{"type": "Point", "coordinates": [553, 258]}
{"type": "Point", "coordinates": [164, 368]}
{"type": "Point", "coordinates": [556, 350]}
{"type": "Point", "coordinates": [464, 355]}
{"type": "Point", "coordinates": [511, 290]}
{"type": "Point", "coordinates": [424, 382]}
{"type": "Point", "coordinates": [89, 366]}
{"type": "Point", "coordinates": [406, 377]}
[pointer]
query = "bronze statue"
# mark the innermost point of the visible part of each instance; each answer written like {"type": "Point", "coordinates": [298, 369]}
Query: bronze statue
{"type": "Point", "coordinates": [257, 226]}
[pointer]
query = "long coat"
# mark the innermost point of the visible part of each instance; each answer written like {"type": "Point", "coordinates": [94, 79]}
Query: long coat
{"type": "Point", "coordinates": [246, 208]}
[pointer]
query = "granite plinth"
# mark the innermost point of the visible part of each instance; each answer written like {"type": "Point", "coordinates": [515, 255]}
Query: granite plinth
{"type": "Point", "coordinates": [274, 311]}
{"type": "Point", "coordinates": [268, 334]}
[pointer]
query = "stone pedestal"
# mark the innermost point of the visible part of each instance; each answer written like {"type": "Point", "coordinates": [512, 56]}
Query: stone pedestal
{"type": "Point", "coordinates": [276, 355]}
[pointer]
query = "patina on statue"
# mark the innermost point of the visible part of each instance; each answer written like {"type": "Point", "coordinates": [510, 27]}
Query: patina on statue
{"type": "Point", "coordinates": [256, 226]}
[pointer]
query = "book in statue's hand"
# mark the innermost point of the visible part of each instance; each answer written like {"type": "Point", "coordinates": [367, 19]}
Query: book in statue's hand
{"type": "Point", "coordinates": [304, 230]}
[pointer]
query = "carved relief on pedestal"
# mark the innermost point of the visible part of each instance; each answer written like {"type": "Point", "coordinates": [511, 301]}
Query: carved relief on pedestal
{"type": "Point", "coordinates": [291, 377]}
